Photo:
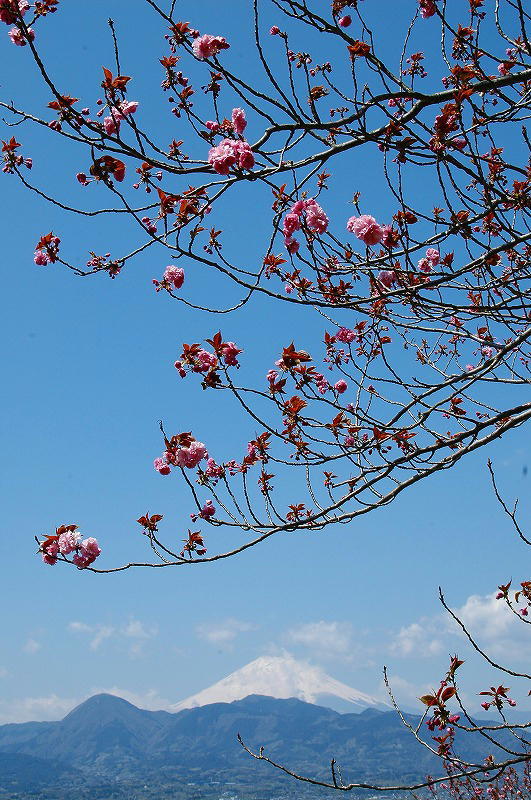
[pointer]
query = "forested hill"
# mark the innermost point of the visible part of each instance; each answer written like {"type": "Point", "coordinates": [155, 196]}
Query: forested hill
{"type": "Point", "coordinates": [106, 746]}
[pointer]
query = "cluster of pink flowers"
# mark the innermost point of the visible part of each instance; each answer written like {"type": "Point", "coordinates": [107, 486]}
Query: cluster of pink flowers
{"type": "Point", "coordinates": [112, 122]}
{"type": "Point", "coordinates": [19, 38]}
{"type": "Point", "coordinates": [47, 250]}
{"type": "Point", "coordinates": [206, 46]}
{"type": "Point", "coordinates": [387, 277]}
{"type": "Point", "coordinates": [427, 8]}
{"type": "Point", "coordinates": [430, 260]}
{"type": "Point", "coordinates": [214, 471]}
{"type": "Point", "coordinates": [316, 221]}
{"type": "Point", "coordinates": [9, 10]}
{"type": "Point", "coordinates": [366, 228]}
{"type": "Point", "coordinates": [186, 456]}
{"type": "Point", "coordinates": [9, 13]}
{"type": "Point", "coordinates": [206, 512]}
{"type": "Point", "coordinates": [13, 159]}
{"type": "Point", "coordinates": [341, 386]}
{"type": "Point", "coordinates": [231, 153]}
{"type": "Point", "coordinates": [230, 352]}
{"type": "Point", "coordinates": [239, 123]}
{"type": "Point", "coordinates": [191, 456]}
{"type": "Point", "coordinates": [67, 540]}
{"type": "Point", "coordinates": [173, 278]}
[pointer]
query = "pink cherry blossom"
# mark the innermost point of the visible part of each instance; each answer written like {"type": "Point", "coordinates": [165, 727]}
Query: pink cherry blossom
{"type": "Point", "coordinates": [345, 335]}
{"type": "Point", "coordinates": [206, 361]}
{"type": "Point", "coordinates": [17, 36]}
{"type": "Point", "coordinates": [230, 352]}
{"type": "Point", "coordinates": [174, 276]}
{"type": "Point", "coordinates": [388, 236]}
{"type": "Point", "coordinates": [213, 470]}
{"type": "Point", "coordinates": [291, 223]}
{"type": "Point", "coordinates": [8, 10]}
{"type": "Point", "coordinates": [162, 466]}
{"type": "Point", "coordinates": [387, 277]}
{"type": "Point", "coordinates": [244, 154]}
{"type": "Point", "coordinates": [222, 157]}
{"type": "Point", "coordinates": [316, 219]}
{"type": "Point", "coordinates": [292, 245]}
{"type": "Point", "coordinates": [68, 542]}
{"type": "Point", "coordinates": [239, 123]}
{"type": "Point", "coordinates": [229, 153]}
{"type": "Point", "coordinates": [41, 258]}
{"type": "Point", "coordinates": [365, 228]}
{"type": "Point", "coordinates": [111, 124]}
{"type": "Point", "coordinates": [128, 107]}
{"type": "Point", "coordinates": [90, 548]}
{"type": "Point", "coordinates": [208, 510]}
{"type": "Point", "coordinates": [192, 455]}
{"type": "Point", "coordinates": [49, 555]}
{"type": "Point", "coordinates": [433, 256]}
{"type": "Point", "coordinates": [341, 386]}
{"type": "Point", "coordinates": [427, 8]}
{"type": "Point", "coordinates": [206, 46]}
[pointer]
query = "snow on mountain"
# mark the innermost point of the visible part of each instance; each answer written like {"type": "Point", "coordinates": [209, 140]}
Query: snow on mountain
{"type": "Point", "coordinates": [283, 677]}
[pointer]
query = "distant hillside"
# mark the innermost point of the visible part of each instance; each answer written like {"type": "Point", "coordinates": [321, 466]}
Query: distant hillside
{"type": "Point", "coordinates": [106, 746]}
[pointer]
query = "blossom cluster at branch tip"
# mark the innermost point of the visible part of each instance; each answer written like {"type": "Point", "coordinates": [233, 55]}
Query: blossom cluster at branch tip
{"type": "Point", "coordinates": [207, 511]}
{"type": "Point", "coordinates": [112, 122]}
{"type": "Point", "coordinates": [173, 276]}
{"type": "Point", "coordinates": [9, 10]}
{"type": "Point", "coordinates": [20, 38]}
{"type": "Point", "coordinates": [182, 451]}
{"type": "Point", "coordinates": [12, 159]}
{"type": "Point", "coordinates": [47, 250]}
{"type": "Point", "coordinates": [206, 46]}
{"type": "Point", "coordinates": [366, 228]}
{"type": "Point", "coordinates": [314, 216]}
{"type": "Point", "coordinates": [231, 153]}
{"type": "Point", "coordinates": [427, 8]}
{"type": "Point", "coordinates": [67, 540]}
{"type": "Point", "coordinates": [239, 123]}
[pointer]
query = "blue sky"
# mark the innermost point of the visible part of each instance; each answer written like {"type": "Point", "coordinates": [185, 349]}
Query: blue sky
{"type": "Point", "coordinates": [88, 372]}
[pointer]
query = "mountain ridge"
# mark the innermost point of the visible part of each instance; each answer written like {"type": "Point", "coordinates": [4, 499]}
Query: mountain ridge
{"type": "Point", "coordinates": [108, 742]}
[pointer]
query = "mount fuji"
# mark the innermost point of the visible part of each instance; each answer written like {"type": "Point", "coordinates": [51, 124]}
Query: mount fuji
{"type": "Point", "coordinates": [283, 677]}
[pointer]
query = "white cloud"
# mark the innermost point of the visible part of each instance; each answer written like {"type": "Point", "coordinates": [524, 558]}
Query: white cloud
{"type": "Point", "coordinates": [31, 646]}
{"type": "Point", "coordinates": [223, 633]}
{"type": "Point", "coordinates": [134, 631]}
{"type": "Point", "coordinates": [97, 633]}
{"type": "Point", "coordinates": [486, 616]}
{"type": "Point", "coordinates": [417, 640]}
{"type": "Point", "coordinates": [137, 630]}
{"type": "Point", "coordinates": [150, 699]}
{"type": "Point", "coordinates": [330, 639]}
{"type": "Point", "coordinates": [489, 621]}
{"type": "Point", "coordinates": [53, 707]}
{"type": "Point", "coordinates": [28, 709]}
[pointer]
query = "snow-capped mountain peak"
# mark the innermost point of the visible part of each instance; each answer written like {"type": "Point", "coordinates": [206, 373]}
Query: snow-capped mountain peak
{"type": "Point", "coordinates": [283, 677]}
